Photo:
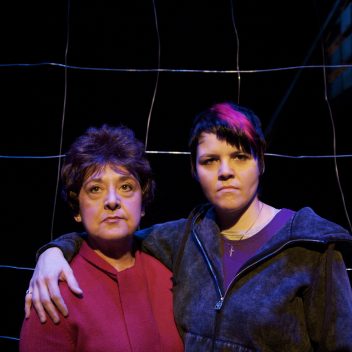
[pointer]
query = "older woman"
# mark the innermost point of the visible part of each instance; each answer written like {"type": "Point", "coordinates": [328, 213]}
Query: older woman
{"type": "Point", "coordinates": [247, 276]}
{"type": "Point", "coordinates": [127, 302]}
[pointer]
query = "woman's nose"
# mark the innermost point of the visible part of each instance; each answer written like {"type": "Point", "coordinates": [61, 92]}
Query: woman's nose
{"type": "Point", "coordinates": [112, 201]}
{"type": "Point", "coordinates": [225, 171]}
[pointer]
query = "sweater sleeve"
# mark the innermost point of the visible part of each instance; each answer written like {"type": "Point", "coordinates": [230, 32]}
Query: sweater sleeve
{"type": "Point", "coordinates": [329, 305]}
{"type": "Point", "coordinates": [69, 244]}
{"type": "Point", "coordinates": [47, 337]}
{"type": "Point", "coordinates": [162, 240]}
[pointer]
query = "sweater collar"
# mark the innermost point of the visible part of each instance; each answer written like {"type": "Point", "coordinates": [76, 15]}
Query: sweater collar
{"type": "Point", "coordinates": [89, 255]}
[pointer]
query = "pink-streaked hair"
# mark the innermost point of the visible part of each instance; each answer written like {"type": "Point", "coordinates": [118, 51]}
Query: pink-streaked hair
{"type": "Point", "coordinates": [233, 123]}
{"type": "Point", "coordinates": [235, 119]}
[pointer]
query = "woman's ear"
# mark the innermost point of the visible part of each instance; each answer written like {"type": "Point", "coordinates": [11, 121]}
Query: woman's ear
{"type": "Point", "coordinates": [142, 210]}
{"type": "Point", "coordinates": [262, 169]}
{"type": "Point", "coordinates": [194, 172]}
{"type": "Point", "coordinates": [78, 218]}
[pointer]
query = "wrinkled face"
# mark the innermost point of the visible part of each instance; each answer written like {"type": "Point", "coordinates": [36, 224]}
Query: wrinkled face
{"type": "Point", "coordinates": [228, 176]}
{"type": "Point", "coordinates": [110, 204]}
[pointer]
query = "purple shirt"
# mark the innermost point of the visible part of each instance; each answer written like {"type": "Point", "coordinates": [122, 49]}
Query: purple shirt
{"type": "Point", "coordinates": [236, 253]}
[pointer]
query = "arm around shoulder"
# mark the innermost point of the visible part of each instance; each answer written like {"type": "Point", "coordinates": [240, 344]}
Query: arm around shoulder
{"type": "Point", "coordinates": [69, 245]}
{"type": "Point", "coordinates": [162, 240]}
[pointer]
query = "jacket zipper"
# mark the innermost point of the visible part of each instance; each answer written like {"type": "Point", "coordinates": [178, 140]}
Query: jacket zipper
{"type": "Point", "coordinates": [219, 303]}
{"type": "Point", "coordinates": [209, 264]}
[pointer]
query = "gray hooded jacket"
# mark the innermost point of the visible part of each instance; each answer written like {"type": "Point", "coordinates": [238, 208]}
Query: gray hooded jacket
{"type": "Point", "coordinates": [293, 295]}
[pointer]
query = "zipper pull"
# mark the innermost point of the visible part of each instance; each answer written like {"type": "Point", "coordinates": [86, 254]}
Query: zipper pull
{"type": "Point", "coordinates": [218, 304]}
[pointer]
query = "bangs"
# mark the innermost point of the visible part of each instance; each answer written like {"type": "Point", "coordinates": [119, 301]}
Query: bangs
{"type": "Point", "coordinates": [239, 140]}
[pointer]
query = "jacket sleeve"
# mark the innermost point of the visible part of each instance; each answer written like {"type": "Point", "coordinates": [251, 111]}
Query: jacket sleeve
{"type": "Point", "coordinates": [329, 305]}
{"type": "Point", "coordinates": [69, 244]}
{"type": "Point", "coordinates": [47, 337]}
{"type": "Point", "coordinates": [162, 240]}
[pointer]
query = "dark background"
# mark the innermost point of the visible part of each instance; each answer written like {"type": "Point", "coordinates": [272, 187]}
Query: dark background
{"type": "Point", "coordinates": [36, 101]}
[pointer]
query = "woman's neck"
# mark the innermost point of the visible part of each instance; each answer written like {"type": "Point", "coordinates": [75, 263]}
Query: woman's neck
{"type": "Point", "coordinates": [252, 218]}
{"type": "Point", "coordinates": [239, 219]}
{"type": "Point", "coordinates": [118, 254]}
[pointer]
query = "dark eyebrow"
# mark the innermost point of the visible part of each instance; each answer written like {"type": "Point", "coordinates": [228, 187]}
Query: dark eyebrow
{"type": "Point", "coordinates": [210, 155]}
{"type": "Point", "coordinates": [128, 177]}
{"type": "Point", "coordinates": [239, 152]}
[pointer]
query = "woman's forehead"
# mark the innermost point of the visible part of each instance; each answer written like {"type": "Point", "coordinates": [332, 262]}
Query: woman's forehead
{"type": "Point", "coordinates": [210, 143]}
{"type": "Point", "coordinates": [97, 171]}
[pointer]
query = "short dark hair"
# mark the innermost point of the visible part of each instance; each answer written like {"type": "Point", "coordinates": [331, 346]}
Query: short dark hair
{"type": "Point", "coordinates": [98, 147]}
{"type": "Point", "coordinates": [235, 124]}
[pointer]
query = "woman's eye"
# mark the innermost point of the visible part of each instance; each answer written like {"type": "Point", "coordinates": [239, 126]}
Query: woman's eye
{"type": "Point", "coordinates": [208, 161]}
{"type": "Point", "coordinates": [242, 156]}
{"type": "Point", "coordinates": [94, 189]}
{"type": "Point", "coordinates": [127, 187]}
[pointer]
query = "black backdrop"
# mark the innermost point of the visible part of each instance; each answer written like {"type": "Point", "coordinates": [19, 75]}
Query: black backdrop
{"type": "Point", "coordinates": [36, 100]}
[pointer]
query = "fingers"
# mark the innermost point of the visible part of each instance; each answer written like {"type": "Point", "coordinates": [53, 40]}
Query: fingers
{"type": "Point", "coordinates": [39, 303]}
{"type": "Point", "coordinates": [28, 302]}
{"type": "Point", "coordinates": [51, 296]}
{"type": "Point", "coordinates": [45, 294]}
{"type": "Point", "coordinates": [43, 275]}
{"type": "Point", "coordinates": [71, 281]}
{"type": "Point", "coordinates": [53, 287]}
{"type": "Point", "coordinates": [56, 301]}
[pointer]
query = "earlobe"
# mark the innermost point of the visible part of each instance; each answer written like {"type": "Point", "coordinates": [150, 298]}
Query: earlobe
{"type": "Point", "coordinates": [194, 172]}
{"type": "Point", "coordinates": [262, 170]}
{"type": "Point", "coordinates": [78, 218]}
{"type": "Point", "coordinates": [262, 167]}
{"type": "Point", "coordinates": [195, 176]}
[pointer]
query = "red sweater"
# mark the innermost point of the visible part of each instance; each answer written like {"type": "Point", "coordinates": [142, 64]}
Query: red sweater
{"type": "Point", "coordinates": [129, 310]}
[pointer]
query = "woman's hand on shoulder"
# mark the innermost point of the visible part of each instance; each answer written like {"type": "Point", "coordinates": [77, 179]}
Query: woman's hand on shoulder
{"type": "Point", "coordinates": [44, 292]}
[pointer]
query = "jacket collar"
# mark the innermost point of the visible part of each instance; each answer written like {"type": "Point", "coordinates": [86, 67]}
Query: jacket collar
{"type": "Point", "coordinates": [304, 226]}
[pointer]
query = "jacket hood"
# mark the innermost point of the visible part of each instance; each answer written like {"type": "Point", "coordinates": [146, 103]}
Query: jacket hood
{"type": "Point", "coordinates": [307, 225]}
{"type": "Point", "coordinates": [304, 226]}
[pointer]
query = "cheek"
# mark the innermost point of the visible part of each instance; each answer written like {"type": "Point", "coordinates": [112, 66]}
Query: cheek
{"type": "Point", "coordinates": [251, 178]}
{"type": "Point", "coordinates": [206, 181]}
{"type": "Point", "coordinates": [201, 177]}
{"type": "Point", "coordinates": [89, 216]}
{"type": "Point", "coordinates": [205, 175]}
{"type": "Point", "coordinates": [89, 209]}
{"type": "Point", "coordinates": [135, 209]}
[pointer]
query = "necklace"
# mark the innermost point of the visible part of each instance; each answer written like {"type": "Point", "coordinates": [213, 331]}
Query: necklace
{"type": "Point", "coordinates": [240, 235]}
